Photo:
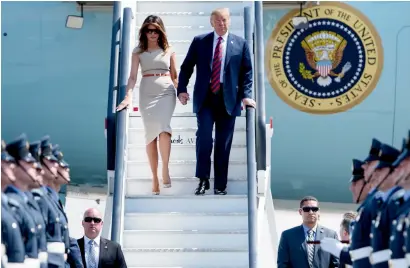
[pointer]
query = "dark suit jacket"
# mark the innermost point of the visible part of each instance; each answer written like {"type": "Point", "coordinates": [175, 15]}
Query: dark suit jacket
{"type": "Point", "coordinates": [237, 83]}
{"type": "Point", "coordinates": [111, 255]}
{"type": "Point", "coordinates": [292, 252]}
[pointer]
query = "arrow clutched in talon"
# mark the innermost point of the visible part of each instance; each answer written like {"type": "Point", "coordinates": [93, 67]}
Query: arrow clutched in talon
{"type": "Point", "coordinates": [345, 69]}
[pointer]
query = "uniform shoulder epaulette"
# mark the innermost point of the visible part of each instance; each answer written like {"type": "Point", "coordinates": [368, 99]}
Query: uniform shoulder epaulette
{"type": "Point", "coordinates": [13, 202]}
{"type": "Point", "coordinates": [37, 192]}
{"type": "Point", "coordinates": [378, 195]}
{"type": "Point", "coordinates": [398, 194]}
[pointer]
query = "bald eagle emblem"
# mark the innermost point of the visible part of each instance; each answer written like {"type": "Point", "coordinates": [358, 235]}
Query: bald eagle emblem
{"type": "Point", "coordinates": [324, 52]}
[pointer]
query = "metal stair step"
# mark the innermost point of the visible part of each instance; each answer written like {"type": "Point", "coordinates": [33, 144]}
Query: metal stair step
{"type": "Point", "coordinates": [181, 122]}
{"type": "Point", "coordinates": [187, 203]}
{"type": "Point", "coordinates": [208, 257]}
{"type": "Point", "coordinates": [235, 239]}
{"type": "Point", "coordinates": [186, 221]}
{"type": "Point", "coordinates": [184, 136]}
{"type": "Point", "coordinates": [183, 168]}
{"type": "Point", "coordinates": [189, 19]}
{"type": "Point", "coordinates": [184, 151]}
{"type": "Point", "coordinates": [180, 186]}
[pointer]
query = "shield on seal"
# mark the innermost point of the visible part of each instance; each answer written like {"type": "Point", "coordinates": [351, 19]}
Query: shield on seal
{"type": "Point", "coordinates": [324, 67]}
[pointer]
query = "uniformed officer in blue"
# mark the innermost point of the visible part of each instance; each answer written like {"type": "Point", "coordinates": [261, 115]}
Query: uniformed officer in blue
{"type": "Point", "coordinates": [63, 177]}
{"type": "Point", "coordinates": [32, 206]}
{"type": "Point", "coordinates": [359, 249]}
{"type": "Point", "coordinates": [384, 212]}
{"type": "Point", "coordinates": [27, 178]}
{"type": "Point", "coordinates": [13, 252]}
{"type": "Point", "coordinates": [359, 189]}
{"type": "Point", "coordinates": [55, 244]}
{"type": "Point", "coordinates": [397, 239]}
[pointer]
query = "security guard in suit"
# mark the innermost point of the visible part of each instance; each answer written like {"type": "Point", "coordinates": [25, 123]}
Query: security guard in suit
{"type": "Point", "coordinates": [359, 250]}
{"type": "Point", "coordinates": [26, 173]}
{"type": "Point", "coordinates": [397, 239]}
{"type": "Point", "coordinates": [55, 244]}
{"type": "Point", "coordinates": [13, 252]}
{"type": "Point", "coordinates": [383, 207]}
{"type": "Point", "coordinates": [73, 254]}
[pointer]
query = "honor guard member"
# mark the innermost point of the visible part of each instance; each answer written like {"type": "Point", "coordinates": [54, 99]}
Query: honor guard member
{"type": "Point", "coordinates": [359, 249]}
{"type": "Point", "coordinates": [19, 148]}
{"type": "Point", "coordinates": [359, 189]}
{"type": "Point", "coordinates": [12, 246]}
{"type": "Point", "coordinates": [26, 173]}
{"type": "Point", "coordinates": [55, 244]}
{"type": "Point", "coordinates": [397, 240]}
{"type": "Point", "coordinates": [63, 176]}
{"type": "Point", "coordinates": [380, 231]}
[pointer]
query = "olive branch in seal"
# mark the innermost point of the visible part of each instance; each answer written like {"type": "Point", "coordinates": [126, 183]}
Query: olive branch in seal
{"type": "Point", "coordinates": [306, 74]}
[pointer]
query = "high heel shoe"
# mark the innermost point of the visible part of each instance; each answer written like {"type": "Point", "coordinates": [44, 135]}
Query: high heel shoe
{"type": "Point", "coordinates": [155, 189]}
{"type": "Point", "coordinates": [167, 185]}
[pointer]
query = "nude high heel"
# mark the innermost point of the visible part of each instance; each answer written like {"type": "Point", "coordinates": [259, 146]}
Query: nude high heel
{"type": "Point", "coordinates": [167, 185]}
{"type": "Point", "coordinates": [155, 188]}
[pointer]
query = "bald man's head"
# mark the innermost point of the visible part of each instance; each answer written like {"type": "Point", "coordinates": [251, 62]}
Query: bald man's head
{"type": "Point", "coordinates": [92, 223]}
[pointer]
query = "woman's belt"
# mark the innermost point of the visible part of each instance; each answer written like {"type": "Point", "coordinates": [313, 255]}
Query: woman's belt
{"type": "Point", "coordinates": [148, 75]}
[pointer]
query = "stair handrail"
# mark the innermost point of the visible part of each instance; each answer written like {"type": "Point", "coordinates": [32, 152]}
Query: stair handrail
{"type": "Point", "coordinates": [113, 89]}
{"type": "Point", "coordinates": [121, 129]}
{"type": "Point", "coordinates": [251, 158]}
{"type": "Point", "coordinates": [260, 86]}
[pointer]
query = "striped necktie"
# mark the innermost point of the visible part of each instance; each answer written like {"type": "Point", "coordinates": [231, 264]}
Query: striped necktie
{"type": "Point", "coordinates": [91, 255]}
{"type": "Point", "coordinates": [311, 247]}
{"type": "Point", "coordinates": [216, 67]}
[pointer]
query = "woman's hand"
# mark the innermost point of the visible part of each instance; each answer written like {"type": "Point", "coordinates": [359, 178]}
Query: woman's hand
{"type": "Point", "coordinates": [124, 104]}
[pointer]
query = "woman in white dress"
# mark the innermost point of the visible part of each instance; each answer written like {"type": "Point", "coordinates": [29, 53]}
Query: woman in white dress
{"type": "Point", "coordinates": [157, 94]}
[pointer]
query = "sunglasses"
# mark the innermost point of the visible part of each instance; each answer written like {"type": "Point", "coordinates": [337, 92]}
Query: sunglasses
{"type": "Point", "coordinates": [151, 31]}
{"type": "Point", "coordinates": [313, 209]}
{"type": "Point", "coordinates": [90, 219]}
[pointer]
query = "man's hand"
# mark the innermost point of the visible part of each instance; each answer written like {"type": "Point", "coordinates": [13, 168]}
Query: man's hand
{"type": "Point", "coordinates": [248, 102]}
{"type": "Point", "coordinates": [331, 245]}
{"type": "Point", "coordinates": [183, 98]}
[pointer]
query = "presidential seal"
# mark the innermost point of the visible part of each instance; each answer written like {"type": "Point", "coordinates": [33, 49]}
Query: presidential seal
{"type": "Point", "coordinates": [329, 67]}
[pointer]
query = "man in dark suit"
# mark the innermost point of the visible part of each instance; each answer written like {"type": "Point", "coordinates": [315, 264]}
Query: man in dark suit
{"type": "Point", "coordinates": [295, 252]}
{"type": "Point", "coordinates": [224, 80]}
{"type": "Point", "coordinates": [98, 252]}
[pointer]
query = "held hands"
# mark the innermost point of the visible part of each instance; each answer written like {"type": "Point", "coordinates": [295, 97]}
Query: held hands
{"type": "Point", "coordinates": [249, 102]}
{"type": "Point", "coordinates": [124, 104]}
{"type": "Point", "coordinates": [332, 246]}
{"type": "Point", "coordinates": [183, 98]}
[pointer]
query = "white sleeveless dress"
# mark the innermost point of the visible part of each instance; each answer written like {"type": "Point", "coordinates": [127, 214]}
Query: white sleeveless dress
{"type": "Point", "coordinates": [157, 94]}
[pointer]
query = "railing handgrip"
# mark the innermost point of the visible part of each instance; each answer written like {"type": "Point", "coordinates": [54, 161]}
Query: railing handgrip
{"type": "Point", "coordinates": [124, 70]}
{"type": "Point", "coordinates": [260, 86]}
{"type": "Point", "coordinates": [251, 159]}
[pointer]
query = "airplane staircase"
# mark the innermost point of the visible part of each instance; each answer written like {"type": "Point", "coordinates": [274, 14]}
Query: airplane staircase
{"type": "Point", "coordinates": [177, 228]}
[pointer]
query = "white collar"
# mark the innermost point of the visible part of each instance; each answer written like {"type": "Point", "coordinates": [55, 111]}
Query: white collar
{"type": "Point", "coordinates": [224, 37]}
{"type": "Point", "coordinates": [97, 240]}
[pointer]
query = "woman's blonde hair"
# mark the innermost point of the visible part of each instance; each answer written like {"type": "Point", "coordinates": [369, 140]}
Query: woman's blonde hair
{"type": "Point", "coordinates": [159, 26]}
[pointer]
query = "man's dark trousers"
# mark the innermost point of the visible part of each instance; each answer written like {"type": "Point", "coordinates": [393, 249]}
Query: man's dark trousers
{"type": "Point", "coordinates": [214, 111]}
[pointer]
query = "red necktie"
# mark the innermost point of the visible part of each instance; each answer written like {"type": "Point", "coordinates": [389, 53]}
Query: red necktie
{"type": "Point", "coordinates": [216, 67]}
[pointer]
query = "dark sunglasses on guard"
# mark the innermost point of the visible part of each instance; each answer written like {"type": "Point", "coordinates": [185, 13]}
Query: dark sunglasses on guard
{"type": "Point", "coordinates": [313, 209]}
{"type": "Point", "coordinates": [90, 219]}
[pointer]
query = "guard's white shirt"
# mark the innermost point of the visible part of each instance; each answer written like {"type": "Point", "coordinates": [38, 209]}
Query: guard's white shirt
{"type": "Point", "coordinates": [96, 248]}
{"type": "Point", "coordinates": [224, 40]}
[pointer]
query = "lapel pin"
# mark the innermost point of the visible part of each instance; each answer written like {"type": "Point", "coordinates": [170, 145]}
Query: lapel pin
{"type": "Point", "coordinates": [231, 42]}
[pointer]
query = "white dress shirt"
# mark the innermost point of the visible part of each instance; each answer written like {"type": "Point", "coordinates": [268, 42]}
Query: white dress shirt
{"type": "Point", "coordinates": [96, 247]}
{"type": "Point", "coordinates": [224, 40]}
